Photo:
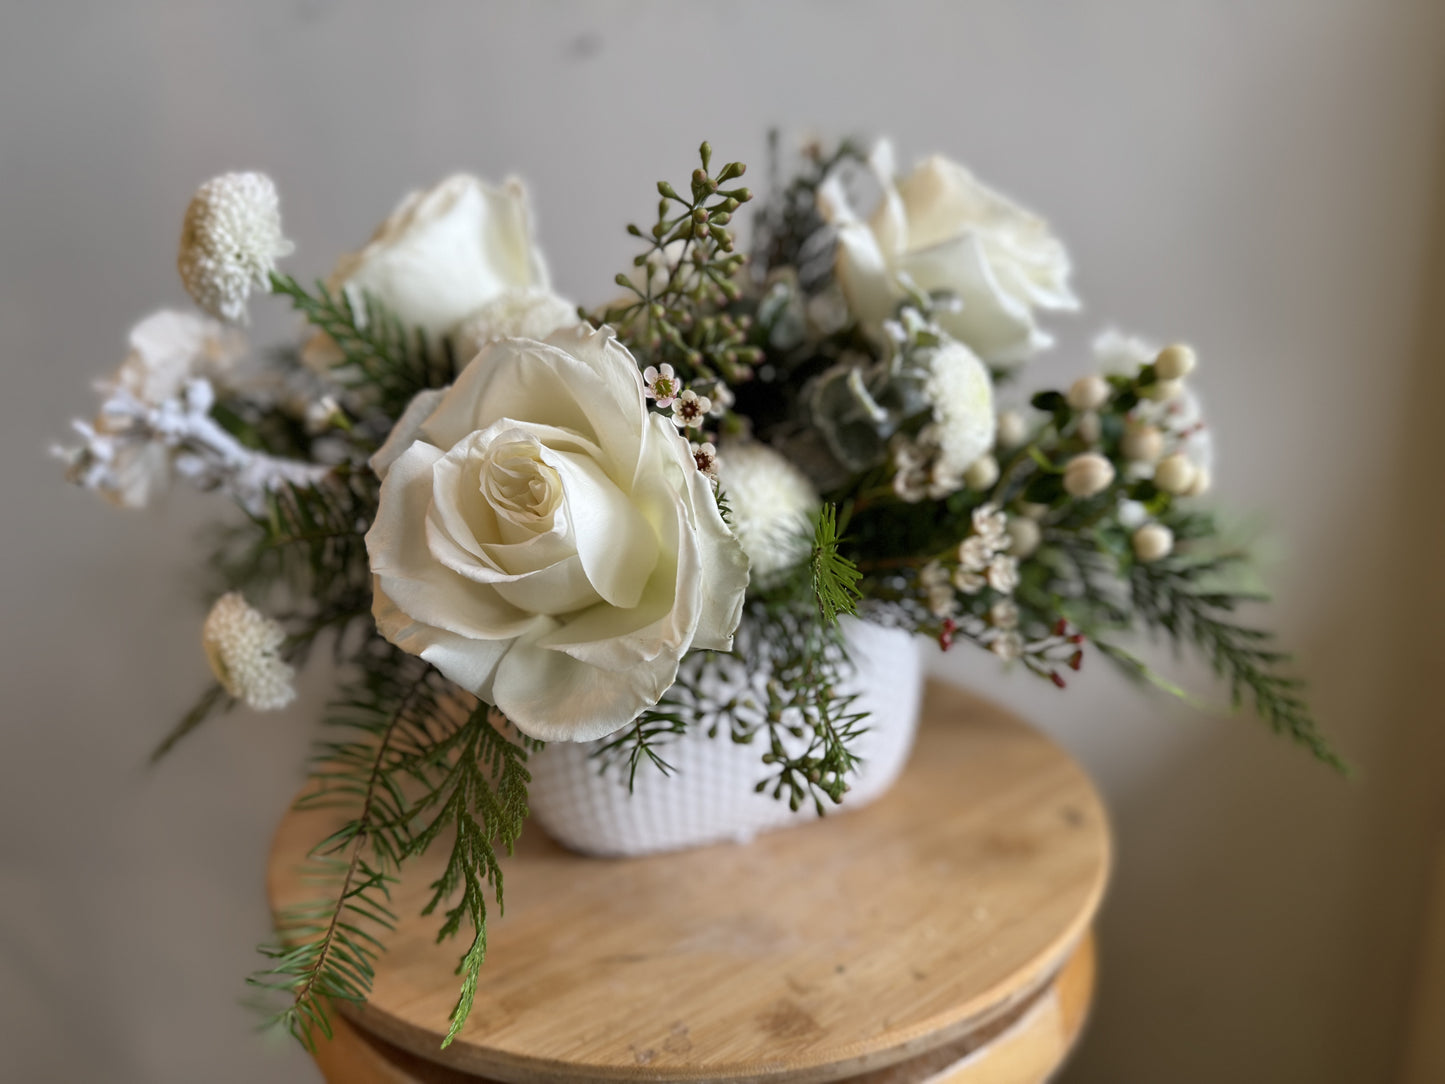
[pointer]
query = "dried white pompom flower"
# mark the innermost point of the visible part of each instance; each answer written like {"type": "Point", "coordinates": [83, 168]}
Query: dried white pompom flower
{"type": "Point", "coordinates": [772, 504]}
{"type": "Point", "coordinates": [230, 242]}
{"type": "Point", "coordinates": [1152, 542]}
{"type": "Point", "coordinates": [241, 644]}
{"type": "Point", "coordinates": [1087, 475]}
{"type": "Point", "coordinates": [961, 393]}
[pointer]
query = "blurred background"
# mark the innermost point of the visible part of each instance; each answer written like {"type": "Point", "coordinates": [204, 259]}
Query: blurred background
{"type": "Point", "coordinates": [1263, 180]}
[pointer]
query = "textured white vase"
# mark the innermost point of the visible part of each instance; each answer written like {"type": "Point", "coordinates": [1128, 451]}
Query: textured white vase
{"type": "Point", "coordinates": [710, 797]}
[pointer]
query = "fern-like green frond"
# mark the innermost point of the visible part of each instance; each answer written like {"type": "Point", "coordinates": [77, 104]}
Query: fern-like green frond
{"type": "Point", "coordinates": [835, 577]}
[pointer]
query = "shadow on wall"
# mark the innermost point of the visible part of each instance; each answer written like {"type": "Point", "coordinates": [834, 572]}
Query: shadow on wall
{"type": "Point", "coordinates": [1286, 862]}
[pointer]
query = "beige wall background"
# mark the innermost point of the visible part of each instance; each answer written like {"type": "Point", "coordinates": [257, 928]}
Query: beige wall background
{"type": "Point", "coordinates": [1261, 179]}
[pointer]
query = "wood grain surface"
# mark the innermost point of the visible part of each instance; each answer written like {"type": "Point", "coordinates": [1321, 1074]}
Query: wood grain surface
{"type": "Point", "coordinates": [820, 952]}
{"type": "Point", "coordinates": [1028, 1049]}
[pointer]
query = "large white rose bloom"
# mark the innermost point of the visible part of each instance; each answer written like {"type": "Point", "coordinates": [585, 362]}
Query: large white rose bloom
{"type": "Point", "coordinates": [547, 542]}
{"type": "Point", "coordinates": [772, 504]}
{"type": "Point", "coordinates": [941, 229]}
{"type": "Point", "coordinates": [446, 256]}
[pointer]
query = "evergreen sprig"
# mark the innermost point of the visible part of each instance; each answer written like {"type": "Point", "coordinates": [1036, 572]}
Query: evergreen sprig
{"type": "Point", "coordinates": [327, 947]}
{"type": "Point", "coordinates": [482, 797]}
{"type": "Point", "coordinates": [379, 355]}
{"type": "Point", "coordinates": [835, 577]}
{"type": "Point", "coordinates": [1174, 596]}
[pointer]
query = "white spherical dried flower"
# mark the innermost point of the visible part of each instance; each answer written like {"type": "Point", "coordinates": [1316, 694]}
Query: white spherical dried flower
{"type": "Point", "coordinates": [230, 242]}
{"type": "Point", "coordinates": [1176, 474]}
{"type": "Point", "coordinates": [241, 644]}
{"type": "Point", "coordinates": [1174, 362]}
{"type": "Point", "coordinates": [772, 505]}
{"type": "Point", "coordinates": [1152, 542]}
{"type": "Point", "coordinates": [1203, 481]}
{"type": "Point", "coordinates": [1088, 393]}
{"type": "Point", "coordinates": [1090, 428]}
{"type": "Point", "coordinates": [961, 393]}
{"type": "Point", "coordinates": [1087, 475]}
{"type": "Point", "coordinates": [981, 473]}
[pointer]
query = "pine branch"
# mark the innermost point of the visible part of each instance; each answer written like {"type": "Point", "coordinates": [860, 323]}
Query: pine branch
{"type": "Point", "coordinates": [1172, 595]}
{"type": "Point", "coordinates": [389, 361]}
{"type": "Point", "coordinates": [328, 946]}
{"type": "Point", "coordinates": [640, 742]}
{"type": "Point", "coordinates": [835, 577]}
{"type": "Point", "coordinates": [483, 798]}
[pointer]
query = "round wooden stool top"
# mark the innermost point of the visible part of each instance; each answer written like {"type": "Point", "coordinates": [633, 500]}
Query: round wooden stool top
{"type": "Point", "coordinates": [814, 953]}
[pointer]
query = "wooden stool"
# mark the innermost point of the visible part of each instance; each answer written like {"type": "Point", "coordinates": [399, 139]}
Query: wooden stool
{"type": "Point", "coordinates": [940, 935]}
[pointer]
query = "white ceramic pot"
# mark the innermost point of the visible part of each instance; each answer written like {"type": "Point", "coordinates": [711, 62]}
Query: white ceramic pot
{"type": "Point", "coordinates": [710, 797]}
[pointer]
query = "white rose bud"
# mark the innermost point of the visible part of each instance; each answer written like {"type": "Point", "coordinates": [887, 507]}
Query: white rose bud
{"type": "Point", "coordinates": [1202, 483]}
{"type": "Point", "coordinates": [1175, 474]}
{"type": "Point", "coordinates": [1088, 393]}
{"type": "Point", "coordinates": [1142, 442]}
{"type": "Point", "coordinates": [1090, 428]}
{"type": "Point", "coordinates": [1174, 362]}
{"type": "Point", "coordinates": [1024, 536]}
{"type": "Point", "coordinates": [981, 473]}
{"type": "Point", "coordinates": [940, 229]}
{"type": "Point", "coordinates": [1161, 391]}
{"type": "Point", "coordinates": [1088, 475]}
{"type": "Point", "coordinates": [1153, 542]}
{"type": "Point", "coordinates": [1012, 429]}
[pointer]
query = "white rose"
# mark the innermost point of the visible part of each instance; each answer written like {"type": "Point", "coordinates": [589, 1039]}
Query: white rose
{"type": "Point", "coordinates": [941, 229]}
{"type": "Point", "coordinates": [519, 314]}
{"type": "Point", "coordinates": [547, 542]}
{"type": "Point", "coordinates": [442, 256]}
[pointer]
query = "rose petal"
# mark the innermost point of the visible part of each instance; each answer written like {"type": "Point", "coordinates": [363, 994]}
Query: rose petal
{"type": "Point", "coordinates": [549, 695]}
{"type": "Point", "coordinates": [411, 577]}
{"type": "Point", "coordinates": [618, 547]}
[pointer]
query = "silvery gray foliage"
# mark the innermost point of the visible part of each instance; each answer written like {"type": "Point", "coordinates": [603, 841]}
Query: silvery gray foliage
{"type": "Point", "coordinates": [859, 404]}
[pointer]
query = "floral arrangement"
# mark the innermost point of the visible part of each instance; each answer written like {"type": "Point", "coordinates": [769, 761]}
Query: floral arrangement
{"type": "Point", "coordinates": [513, 519]}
